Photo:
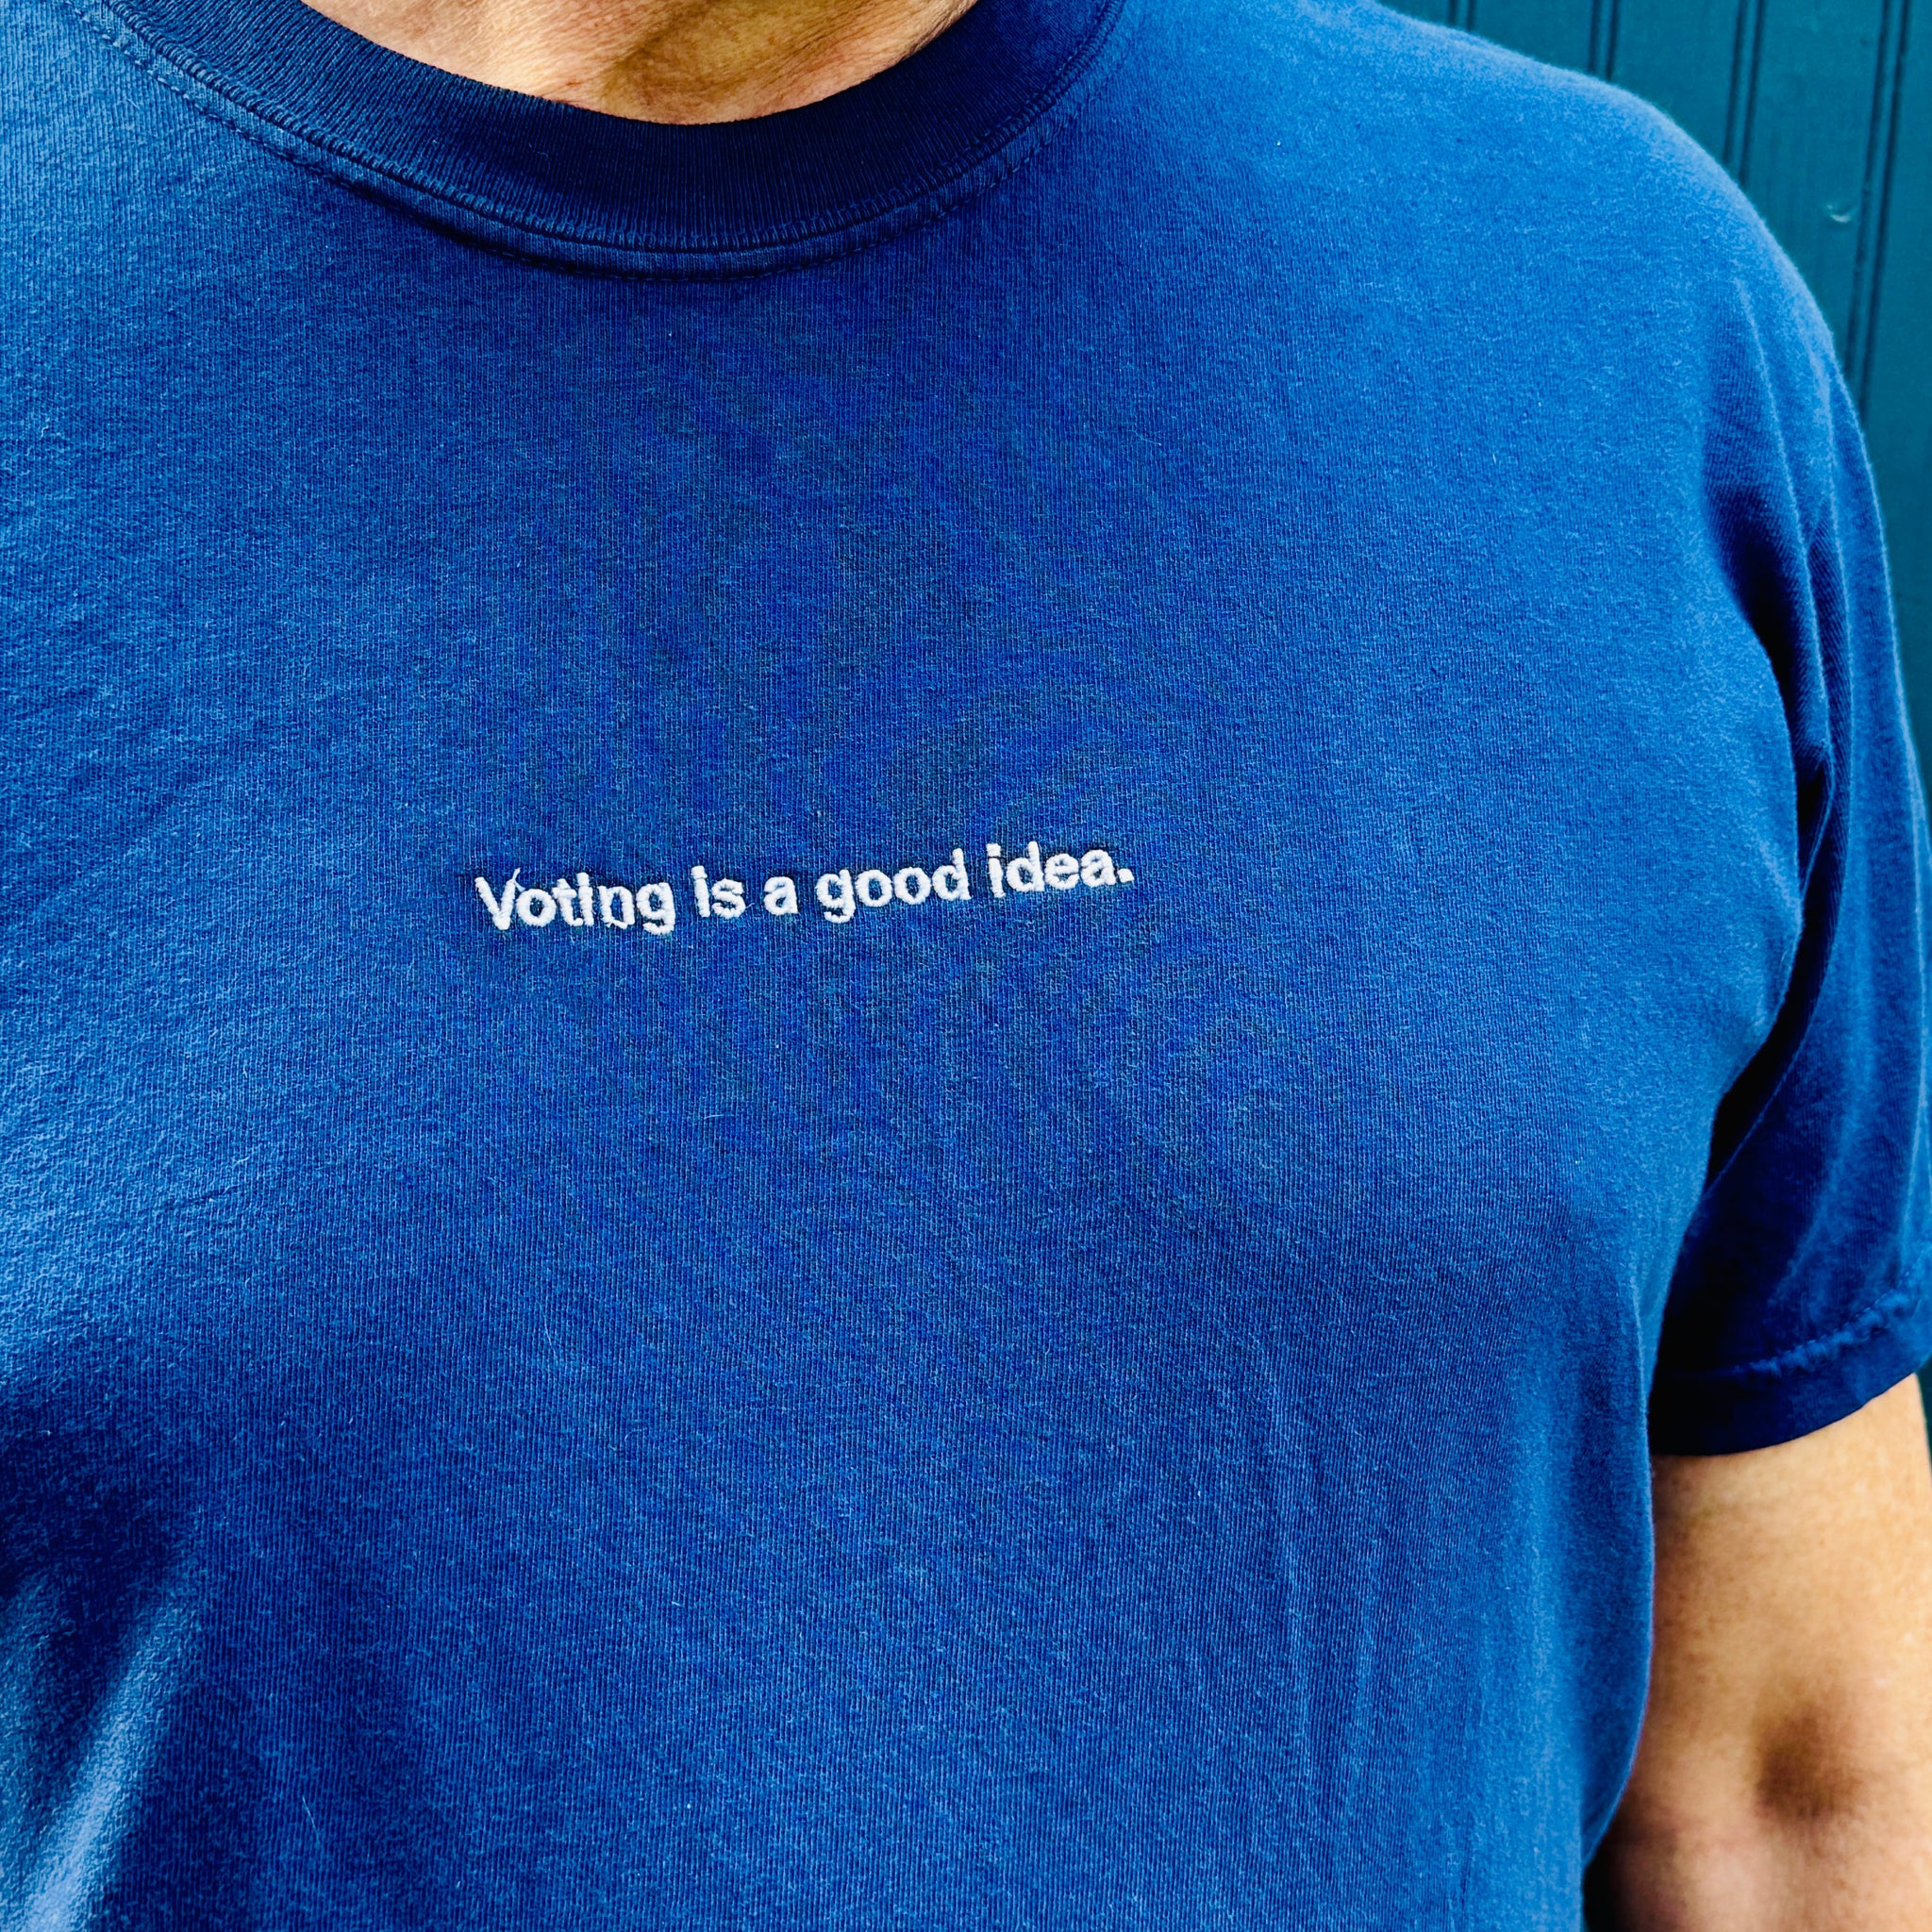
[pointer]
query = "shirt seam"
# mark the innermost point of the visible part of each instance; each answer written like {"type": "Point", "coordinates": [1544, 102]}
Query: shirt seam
{"type": "Point", "coordinates": [1804, 1357]}
{"type": "Point", "coordinates": [991, 158]}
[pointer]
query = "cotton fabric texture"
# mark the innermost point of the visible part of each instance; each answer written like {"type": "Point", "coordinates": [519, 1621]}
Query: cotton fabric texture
{"type": "Point", "coordinates": [603, 1323]}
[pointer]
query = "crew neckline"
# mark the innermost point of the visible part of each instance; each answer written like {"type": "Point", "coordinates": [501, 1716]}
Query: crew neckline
{"type": "Point", "coordinates": [567, 183]}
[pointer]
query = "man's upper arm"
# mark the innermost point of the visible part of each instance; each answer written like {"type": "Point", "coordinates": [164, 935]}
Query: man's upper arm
{"type": "Point", "coordinates": [1784, 1780]}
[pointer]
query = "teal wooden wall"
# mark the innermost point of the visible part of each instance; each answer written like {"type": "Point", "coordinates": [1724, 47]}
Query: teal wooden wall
{"type": "Point", "coordinates": [1822, 111]}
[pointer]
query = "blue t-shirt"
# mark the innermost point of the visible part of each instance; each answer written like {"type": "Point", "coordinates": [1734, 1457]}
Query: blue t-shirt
{"type": "Point", "coordinates": [888, 996]}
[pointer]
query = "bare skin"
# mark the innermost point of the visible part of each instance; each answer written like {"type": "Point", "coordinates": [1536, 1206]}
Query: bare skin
{"type": "Point", "coordinates": [675, 60]}
{"type": "Point", "coordinates": [1784, 1782]}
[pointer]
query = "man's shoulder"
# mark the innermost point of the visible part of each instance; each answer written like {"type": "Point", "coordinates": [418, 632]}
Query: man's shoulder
{"type": "Point", "coordinates": [1449, 138]}
{"type": "Point", "coordinates": [1443, 174]}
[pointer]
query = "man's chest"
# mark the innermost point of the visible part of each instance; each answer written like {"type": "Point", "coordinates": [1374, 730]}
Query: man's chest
{"type": "Point", "coordinates": [1027, 810]}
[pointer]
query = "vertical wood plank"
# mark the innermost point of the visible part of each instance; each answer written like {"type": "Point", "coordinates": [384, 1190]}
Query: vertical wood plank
{"type": "Point", "coordinates": [1880, 158]}
{"type": "Point", "coordinates": [1606, 25]}
{"type": "Point", "coordinates": [1898, 372]}
{"type": "Point", "coordinates": [1553, 30]}
{"type": "Point", "coordinates": [1748, 46]}
{"type": "Point", "coordinates": [1804, 163]}
{"type": "Point", "coordinates": [1437, 10]}
{"type": "Point", "coordinates": [1680, 56]}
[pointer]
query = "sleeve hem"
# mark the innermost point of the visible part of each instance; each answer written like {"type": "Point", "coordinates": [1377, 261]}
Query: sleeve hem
{"type": "Point", "coordinates": [1724, 1411]}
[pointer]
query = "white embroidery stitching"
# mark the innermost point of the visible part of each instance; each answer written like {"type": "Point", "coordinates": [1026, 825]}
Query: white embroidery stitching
{"type": "Point", "coordinates": [574, 901]}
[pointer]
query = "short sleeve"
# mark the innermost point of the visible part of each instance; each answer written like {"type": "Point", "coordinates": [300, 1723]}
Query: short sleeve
{"type": "Point", "coordinates": [1804, 1285]}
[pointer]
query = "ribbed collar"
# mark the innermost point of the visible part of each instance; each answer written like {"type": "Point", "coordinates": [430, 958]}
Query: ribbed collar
{"type": "Point", "coordinates": [562, 180]}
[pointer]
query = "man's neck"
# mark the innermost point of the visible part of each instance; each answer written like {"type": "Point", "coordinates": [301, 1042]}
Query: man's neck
{"type": "Point", "coordinates": [681, 61]}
